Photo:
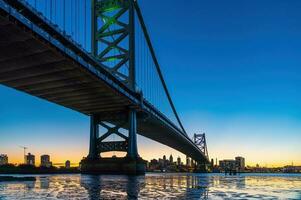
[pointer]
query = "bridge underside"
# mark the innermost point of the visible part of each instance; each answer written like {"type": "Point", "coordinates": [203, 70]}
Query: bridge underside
{"type": "Point", "coordinates": [31, 64]}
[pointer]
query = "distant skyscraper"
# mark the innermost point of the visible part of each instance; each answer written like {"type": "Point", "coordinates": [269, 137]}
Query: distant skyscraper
{"type": "Point", "coordinates": [240, 163]}
{"type": "Point", "coordinates": [170, 158]}
{"type": "Point", "coordinates": [67, 164]}
{"type": "Point", "coordinates": [179, 161]}
{"type": "Point", "coordinates": [3, 159]}
{"type": "Point", "coordinates": [30, 159]}
{"type": "Point", "coordinates": [45, 161]}
{"type": "Point", "coordinates": [187, 161]}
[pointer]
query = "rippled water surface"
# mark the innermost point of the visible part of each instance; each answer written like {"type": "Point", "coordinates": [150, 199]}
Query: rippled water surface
{"type": "Point", "coordinates": [156, 186]}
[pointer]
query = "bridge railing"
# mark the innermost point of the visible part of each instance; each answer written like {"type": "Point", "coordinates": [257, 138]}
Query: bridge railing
{"type": "Point", "coordinates": [73, 18]}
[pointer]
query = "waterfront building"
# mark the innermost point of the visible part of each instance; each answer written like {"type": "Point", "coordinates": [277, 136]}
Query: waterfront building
{"type": "Point", "coordinates": [212, 163]}
{"type": "Point", "coordinates": [291, 169]}
{"type": "Point", "coordinates": [240, 163]}
{"type": "Point", "coordinates": [45, 161]}
{"type": "Point", "coordinates": [170, 158]}
{"type": "Point", "coordinates": [164, 161]}
{"type": "Point", "coordinates": [3, 159]}
{"type": "Point", "coordinates": [30, 159]}
{"type": "Point", "coordinates": [179, 161]}
{"type": "Point", "coordinates": [153, 165]}
{"type": "Point", "coordinates": [187, 161]}
{"type": "Point", "coordinates": [67, 164]}
{"type": "Point", "coordinates": [161, 162]}
{"type": "Point", "coordinates": [227, 164]}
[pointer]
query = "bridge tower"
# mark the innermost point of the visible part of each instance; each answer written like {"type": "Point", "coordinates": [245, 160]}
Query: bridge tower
{"type": "Point", "coordinates": [113, 45]}
{"type": "Point", "coordinates": [200, 141]}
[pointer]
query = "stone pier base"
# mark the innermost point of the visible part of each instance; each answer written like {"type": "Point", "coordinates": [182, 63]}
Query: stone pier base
{"type": "Point", "coordinates": [113, 166]}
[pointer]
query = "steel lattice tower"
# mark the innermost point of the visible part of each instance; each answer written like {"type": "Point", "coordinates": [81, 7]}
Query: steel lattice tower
{"type": "Point", "coordinates": [200, 141]}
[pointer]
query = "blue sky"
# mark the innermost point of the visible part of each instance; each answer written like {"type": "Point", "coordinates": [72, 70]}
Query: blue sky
{"type": "Point", "coordinates": [233, 70]}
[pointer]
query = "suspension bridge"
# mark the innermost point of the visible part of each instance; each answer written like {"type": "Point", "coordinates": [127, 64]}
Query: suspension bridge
{"type": "Point", "coordinates": [94, 57]}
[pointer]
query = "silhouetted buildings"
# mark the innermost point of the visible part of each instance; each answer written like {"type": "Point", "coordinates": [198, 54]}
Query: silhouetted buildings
{"type": "Point", "coordinates": [188, 164]}
{"type": "Point", "coordinates": [164, 165]}
{"type": "Point", "coordinates": [237, 165]}
{"type": "Point", "coordinates": [67, 164]}
{"type": "Point", "coordinates": [45, 161]}
{"type": "Point", "coordinates": [292, 169]}
{"type": "Point", "coordinates": [3, 159]}
{"type": "Point", "coordinates": [227, 164]}
{"type": "Point", "coordinates": [179, 161]}
{"type": "Point", "coordinates": [240, 163]}
{"type": "Point", "coordinates": [170, 159]}
{"type": "Point", "coordinates": [30, 159]}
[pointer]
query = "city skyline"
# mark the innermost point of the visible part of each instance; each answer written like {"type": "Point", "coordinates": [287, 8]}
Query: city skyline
{"type": "Point", "coordinates": [238, 68]}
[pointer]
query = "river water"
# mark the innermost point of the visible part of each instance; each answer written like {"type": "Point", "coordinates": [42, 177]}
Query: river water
{"type": "Point", "coordinates": [156, 186]}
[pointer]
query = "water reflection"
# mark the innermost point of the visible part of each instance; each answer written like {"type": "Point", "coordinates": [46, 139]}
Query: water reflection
{"type": "Point", "coordinates": [145, 187]}
{"type": "Point", "coordinates": [44, 182]}
{"type": "Point", "coordinates": [155, 186]}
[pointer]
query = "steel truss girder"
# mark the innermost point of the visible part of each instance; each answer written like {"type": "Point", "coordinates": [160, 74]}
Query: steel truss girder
{"type": "Point", "coordinates": [114, 56]}
{"type": "Point", "coordinates": [111, 129]}
{"type": "Point", "coordinates": [113, 146]}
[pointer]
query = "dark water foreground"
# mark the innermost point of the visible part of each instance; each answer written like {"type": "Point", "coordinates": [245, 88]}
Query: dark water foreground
{"type": "Point", "coordinates": [156, 186]}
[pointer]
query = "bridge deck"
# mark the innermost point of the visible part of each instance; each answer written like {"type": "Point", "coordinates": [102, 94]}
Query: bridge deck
{"type": "Point", "coordinates": [32, 63]}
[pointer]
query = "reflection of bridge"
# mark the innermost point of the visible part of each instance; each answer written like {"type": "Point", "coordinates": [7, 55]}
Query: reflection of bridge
{"type": "Point", "coordinates": [151, 186]}
{"type": "Point", "coordinates": [117, 81]}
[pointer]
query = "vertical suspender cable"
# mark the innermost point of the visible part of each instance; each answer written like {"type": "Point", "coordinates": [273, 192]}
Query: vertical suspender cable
{"type": "Point", "coordinates": [55, 13]}
{"type": "Point", "coordinates": [75, 18]}
{"type": "Point", "coordinates": [78, 21]}
{"type": "Point", "coordinates": [45, 8]}
{"type": "Point", "coordinates": [64, 16]}
{"type": "Point", "coordinates": [85, 24]}
{"type": "Point", "coordinates": [50, 11]}
{"type": "Point", "coordinates": [72, 25]}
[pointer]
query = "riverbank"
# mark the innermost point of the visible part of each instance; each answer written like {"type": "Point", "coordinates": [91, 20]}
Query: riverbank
{"type": "Point", "coordinates": [28, 169]}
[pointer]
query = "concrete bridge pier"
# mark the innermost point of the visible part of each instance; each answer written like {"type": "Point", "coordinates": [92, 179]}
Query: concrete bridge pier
{"type": "Point", "coordinates": [132, 164]}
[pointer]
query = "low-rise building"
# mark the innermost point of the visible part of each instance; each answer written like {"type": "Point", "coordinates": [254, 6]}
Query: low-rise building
{"type": "Point", "coordinates": [3, 159]}
{"type": "Point", "coordinates": [67, 164]}
{"type": "Point", "coordinates": [45, 161]}
{"type": "Point", "coordinates": [30, 159]}
{"type": "Point", "coordinates": [240, 163]}
{"type": "Point", "coordinates": [236, 165]}
{"type": "Point", "coordinates": [291, 169]}
{"type": "Point", "coordinates": [226, 165]}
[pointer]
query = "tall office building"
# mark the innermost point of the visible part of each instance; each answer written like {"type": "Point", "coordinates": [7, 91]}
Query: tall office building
{"type": "Point", "coordinates": [45, 161]}
{"type": "Point", "coordinates": [3, 159]}
{"type": "Point", "coordinates": [164, 161]}
{"type": "Point", "coordinates": [179, 161]}
{"type": "Point", "coordinates": [187, 161]}
{"type": "Point", "coordinates": [30, 159]}
{"type": "Point", "coordinates": [170, 159]}
{"type": "Point", "coordinates": [240, 163]}
{"type": "Point", "coordinates": [67, 164]}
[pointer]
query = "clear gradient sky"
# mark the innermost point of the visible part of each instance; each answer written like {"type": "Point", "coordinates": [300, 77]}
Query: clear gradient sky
{"type": "Point", "coordinates": [233, 69]}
